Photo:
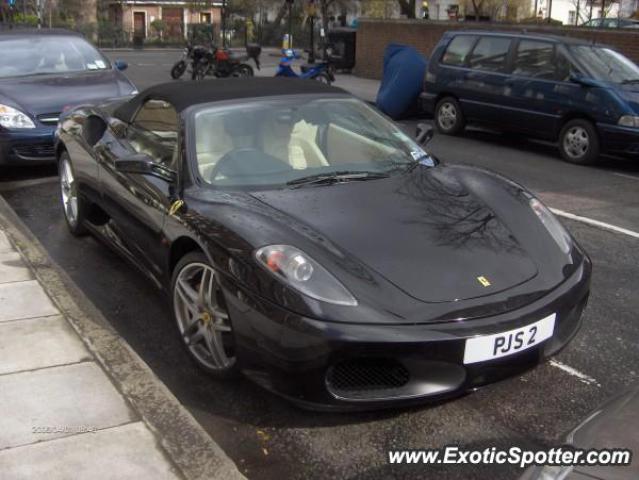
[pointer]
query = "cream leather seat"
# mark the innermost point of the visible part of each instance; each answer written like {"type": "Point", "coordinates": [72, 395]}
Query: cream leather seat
{"type": "Point", "coordinates": [300, 151]}
{"type": "Point", "coordinates": [211, 143]}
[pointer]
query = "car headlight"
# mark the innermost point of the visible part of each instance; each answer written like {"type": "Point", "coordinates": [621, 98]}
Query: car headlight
{"type": "Point", "coordinates": [554, 227]}
{"type": "Point", "coordinates": [628, 121]}
{"type": "Point", "coordinates": [554, 473]}
{"type": "Point", "coordinates": [12, 118]}
{"type": "Point", "coordinates": [304, 274]}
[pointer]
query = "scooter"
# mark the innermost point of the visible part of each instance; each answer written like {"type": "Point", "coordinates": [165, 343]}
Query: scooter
{"type": "Point", "coordinates": [322, 71]}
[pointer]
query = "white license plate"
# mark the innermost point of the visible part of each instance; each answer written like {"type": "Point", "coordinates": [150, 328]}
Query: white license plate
{"type": "Point", "coordinates": [490, 347]}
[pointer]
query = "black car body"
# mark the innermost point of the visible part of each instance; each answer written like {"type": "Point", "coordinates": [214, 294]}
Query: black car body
{"type": "Point", "coordinates": [584, 96]}
{"type": "Point", "coordinates": [42, 73]}
{"type": "Point", "coordinates": [422, 256]}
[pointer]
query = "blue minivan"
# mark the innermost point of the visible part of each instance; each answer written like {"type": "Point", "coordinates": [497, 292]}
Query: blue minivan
{"type": "Point", "coordinates": [581, 95]}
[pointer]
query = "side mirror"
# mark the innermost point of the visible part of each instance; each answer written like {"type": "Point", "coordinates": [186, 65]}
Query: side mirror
{"type": "Point", "coordinates": [142, 164]}
{"type": "Point", "coordinates": [424, 133]}
{"type": "Point", "coordinates": [120, 65]}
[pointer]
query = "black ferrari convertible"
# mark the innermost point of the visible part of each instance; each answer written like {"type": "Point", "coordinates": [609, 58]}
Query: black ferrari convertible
{"type": "Point", "coordinates": [306, 241]}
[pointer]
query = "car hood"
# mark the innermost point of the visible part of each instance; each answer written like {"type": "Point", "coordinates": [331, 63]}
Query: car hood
{"type": "Point", "coordinates": [430, 233]}
{"type": "Point", "coordinates": [40, 94]}
{"type": "Point", "coordinates": [630, 93]}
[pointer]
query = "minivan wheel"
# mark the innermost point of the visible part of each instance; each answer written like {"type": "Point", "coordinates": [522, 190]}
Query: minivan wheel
{"type": "Point", "coordinates": [579, 142]}
{"type": "Point", "coordinates": [449, 118]}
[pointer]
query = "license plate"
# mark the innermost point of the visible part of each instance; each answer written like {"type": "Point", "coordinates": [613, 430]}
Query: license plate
{"type": "Point", "coordinates": [490, 347]}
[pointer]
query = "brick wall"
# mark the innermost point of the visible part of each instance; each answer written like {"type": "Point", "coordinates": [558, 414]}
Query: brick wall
{"type": "Point", "coordinates": [374, 35]}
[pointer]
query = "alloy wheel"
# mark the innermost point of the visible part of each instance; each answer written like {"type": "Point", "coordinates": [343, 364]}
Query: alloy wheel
{"type": "Point", "coordinates": [576, 142]}
{"type": "Point", "coordinates": [69, 192]}
{"type": "Point", "coordinates": [447, 116]}
{"type": "Point", "coordinates": [202, 318]}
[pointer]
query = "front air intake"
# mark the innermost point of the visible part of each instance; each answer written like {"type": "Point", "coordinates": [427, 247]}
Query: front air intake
{"type": "Point", "coordinates": [363, 378]}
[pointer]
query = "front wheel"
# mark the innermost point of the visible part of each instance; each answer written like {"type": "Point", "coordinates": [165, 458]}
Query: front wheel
{"type": "Point", "coordinates": [73, 205]}
{"type": "Point", "coordinates": [449, 118]}
{"type": "Point", "coordinates": [579, 142]}
{"type": "Point", "coordinates": [201, 315]}
{"type": "Point", "coordinates": [178, 70]}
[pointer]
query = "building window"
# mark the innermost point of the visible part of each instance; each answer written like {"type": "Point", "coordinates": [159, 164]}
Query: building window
{"type": "Point", "coordinates": [572, 16]}
{"type": "Point", "coordinates": [205, 17]}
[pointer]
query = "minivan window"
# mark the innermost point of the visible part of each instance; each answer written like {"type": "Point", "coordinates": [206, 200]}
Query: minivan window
{"type": "Point", "coordinates": [458, 50]}
{"type": "Point", "coordinates": [535, 59]}
{"type": "Point", "coordinates": [564, 67]}
{"type": "Point", "coordinates": [605, 64]}
{"type": "Point", "coordinates": [490, 54]}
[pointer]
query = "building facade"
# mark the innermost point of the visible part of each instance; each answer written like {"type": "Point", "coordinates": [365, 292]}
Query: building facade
{"type": "Point", "coordinates": [576, 12]}
{"type": "Point", "coordinates": [137, 17]}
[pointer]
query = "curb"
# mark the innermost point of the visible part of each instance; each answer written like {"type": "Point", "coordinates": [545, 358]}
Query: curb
{"type": "Point", "coordinates": [184, 440]}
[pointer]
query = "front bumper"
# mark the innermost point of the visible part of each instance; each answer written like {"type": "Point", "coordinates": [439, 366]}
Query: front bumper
{"type": "Point", "coordinates": [311, 362]}
{"type": "Point", "coordinates": [619, 140]}
{"type": "Point", "coordinates": [28, 147]}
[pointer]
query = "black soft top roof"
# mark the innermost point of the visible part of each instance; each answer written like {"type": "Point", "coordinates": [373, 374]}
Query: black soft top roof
{"type": "Point", "coordinates": [185, 94]}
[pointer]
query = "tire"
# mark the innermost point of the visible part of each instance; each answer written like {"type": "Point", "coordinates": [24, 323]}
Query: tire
{"type": "Point", "coordinates": [204, 325]}
{"type": "Point", "coordinates": [73, 206]}
{"type": "Point", "coordinates": [449, 118]}
{"type": "Point", "coordinates": [178, 70]}
{"type": "Point", "coordinates": [323, 78]}
{"type": "Point", "coordinates": [579, 142]}
{"type": "Point", "coordinates": [243, 71]}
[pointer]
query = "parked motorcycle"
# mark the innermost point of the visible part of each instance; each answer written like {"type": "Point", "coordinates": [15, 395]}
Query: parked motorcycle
{"type": "Point", "coordinates": [190, 57]}
{"type": "Point", "coordinates": [321, 71]}
{"type": "Point", "coordinates": [222, 63]}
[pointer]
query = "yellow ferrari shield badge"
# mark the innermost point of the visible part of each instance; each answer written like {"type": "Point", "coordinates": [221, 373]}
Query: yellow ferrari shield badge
{"type": "Point", "coordinates": [484, 281]}
{"type": "Point", "coordinates": [175, 207]}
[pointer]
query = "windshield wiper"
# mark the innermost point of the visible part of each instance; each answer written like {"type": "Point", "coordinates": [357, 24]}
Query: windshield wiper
{"type": "Point", "coordinates": [336, 177]}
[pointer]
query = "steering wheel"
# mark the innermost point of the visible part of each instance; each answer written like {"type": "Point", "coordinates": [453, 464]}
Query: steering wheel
{"type": "Point", "coordinates": [247, 161]}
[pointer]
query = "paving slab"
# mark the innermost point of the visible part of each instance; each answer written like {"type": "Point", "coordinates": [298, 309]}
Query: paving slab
{"type": "Point", "coordinates": [126, 452]}
{"type": "Point", "coordinates": [5, 246]}
{"type": "Point", "coordinates": [24, 300]}
{"type": "Point", "coordinates": [39, 342]}
{"type": "Point", "coordinates": [56, 402]}
{"type": "Point", "coordinates": [12, 268]}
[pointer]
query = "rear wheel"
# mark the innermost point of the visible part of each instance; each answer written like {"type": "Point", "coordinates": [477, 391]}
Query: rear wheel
{"type": "Point", "coordinates": [579, 142]}
{"type": "Point", "coordinates": [323, 78]}
{"type": "Point", "coordinates": [449, 118]}
{"type": "Point", "coordinates": [244, 71]}
{"type": "Point", "coordinates": [73, 205]}
{"type": "Point", "coordinates": [202, 319]}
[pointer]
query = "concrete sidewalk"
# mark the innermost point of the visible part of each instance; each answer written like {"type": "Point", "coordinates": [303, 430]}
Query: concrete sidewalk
{"type": "Point", "coordinates": [75, 401]}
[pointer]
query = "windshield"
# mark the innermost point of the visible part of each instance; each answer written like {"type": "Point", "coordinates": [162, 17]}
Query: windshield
{"type": "Point", "coordinates": [44, 54]}
{"type": "Point", "coordinates": [275, 142]}
{"type": "Point", "coordinates": [605, 64]}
